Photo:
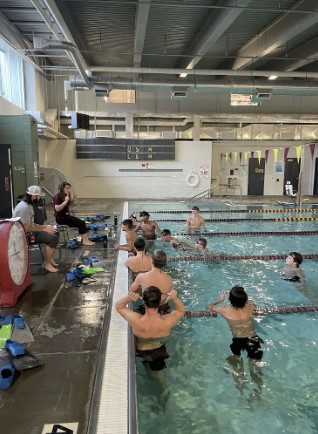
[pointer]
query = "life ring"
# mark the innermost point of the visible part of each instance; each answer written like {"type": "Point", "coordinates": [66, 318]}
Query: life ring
{"type": "Point", "coordinates": [195, 180]}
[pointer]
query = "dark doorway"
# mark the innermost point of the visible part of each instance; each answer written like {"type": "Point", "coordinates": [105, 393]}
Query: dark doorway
{"type": "Point", "coordinates": [316, 178]}
{"type": "Point", "coordinates": [291, 173]}
{"type": "Point", "coordinates": [5, 182]}
{"type": "Point", "coordinates": [256, 172]}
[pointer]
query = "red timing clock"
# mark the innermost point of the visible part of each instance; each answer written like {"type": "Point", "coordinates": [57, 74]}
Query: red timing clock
{"type": "Point", "coordinates": [14, 262]}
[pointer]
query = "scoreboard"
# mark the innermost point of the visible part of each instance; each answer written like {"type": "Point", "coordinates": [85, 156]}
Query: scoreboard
{"type": "Point", "coordinates": [125, 149]}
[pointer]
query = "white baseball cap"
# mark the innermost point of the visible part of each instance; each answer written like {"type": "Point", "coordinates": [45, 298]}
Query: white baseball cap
{"type": "Point", "coordinates": [34, 190]}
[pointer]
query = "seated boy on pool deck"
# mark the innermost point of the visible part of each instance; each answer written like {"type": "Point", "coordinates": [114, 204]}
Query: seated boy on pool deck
{"type": "Point", "coordinates": [239, 317]}
{"type": "Point", "coordinates": [292, 271]}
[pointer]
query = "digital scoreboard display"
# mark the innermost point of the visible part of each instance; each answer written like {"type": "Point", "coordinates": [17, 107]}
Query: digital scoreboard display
{"type": "Point", "coordinates": [125, 149]}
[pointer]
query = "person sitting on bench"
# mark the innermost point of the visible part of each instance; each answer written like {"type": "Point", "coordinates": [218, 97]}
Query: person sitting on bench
{"type": "Point", "coordinates": [62, 212]}
{"type": "Point", "coordinates": [46, 234]}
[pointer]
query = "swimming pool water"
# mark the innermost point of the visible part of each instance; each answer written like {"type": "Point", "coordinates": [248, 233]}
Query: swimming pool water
{"type": "Point", "coordinates": [207, 394]}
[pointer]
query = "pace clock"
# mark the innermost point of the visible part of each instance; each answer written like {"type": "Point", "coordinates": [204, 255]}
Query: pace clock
{"type": "Point", "coordinates": [15, 274]}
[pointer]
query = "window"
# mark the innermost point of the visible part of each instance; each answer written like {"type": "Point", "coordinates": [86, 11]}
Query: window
{"type": "Point", "coordinates": [11, 75]}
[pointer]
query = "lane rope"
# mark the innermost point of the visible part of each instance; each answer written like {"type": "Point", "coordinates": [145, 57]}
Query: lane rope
{"type": "Point", "coordinates": [259, 311]}
{"type": "Point", "coordinates": [210, 258]}
{"type": "Point", "coordinates": [273, 219]}
{"type": "Point", "coordinates": [277, 210]}
{"type": "Point", "coordinates": [224, 234]}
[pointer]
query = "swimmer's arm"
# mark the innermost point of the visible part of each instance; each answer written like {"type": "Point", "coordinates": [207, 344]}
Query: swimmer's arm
{"type": "Point", "coordinates": [138, 227]}
{"type": "Point", "coordinates": [121, 247]}
{"type": "Point", "coordinates": [127, 263]}
{"type": "Point", "coordinates": [179, 307]}
{"type": "Point", "coordinates": [127, 313]}
{"type": "Point", "coordinates": [157, 228]}
{"type": "Point", "coordinates": [211, 305]}
{"type": "Point", "coordinates": [135, 285]}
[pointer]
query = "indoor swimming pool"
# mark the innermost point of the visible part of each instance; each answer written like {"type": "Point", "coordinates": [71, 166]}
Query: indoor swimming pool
{"type": "Point", "coordinates": [207, 394]}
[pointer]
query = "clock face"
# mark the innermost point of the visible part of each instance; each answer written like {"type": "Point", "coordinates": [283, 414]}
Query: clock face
{"type": "Point", "coordinates": [17, 253]}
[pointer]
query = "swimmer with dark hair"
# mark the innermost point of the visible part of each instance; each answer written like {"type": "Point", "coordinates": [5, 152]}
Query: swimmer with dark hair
{"type": "Point", "coordinates": [127, 227]}
{"type": "Point", "coordinates": [142, 261]}
{"type": "Point", "coordinates": [292, 270]}
{"type": "Point", "coordinates": [239, 316]}
{"type": "Point", "coordinates": [151, 330]}
{"type": "Point", "coordinates": [175, 242]}
{"type": "Point", "coordinates": [155, 277]}
{"type": "Point", "coordinates": [149, 228]}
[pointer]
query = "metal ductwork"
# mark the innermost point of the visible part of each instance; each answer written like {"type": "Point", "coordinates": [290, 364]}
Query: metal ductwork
{"type": "Point", "coordinates": [237, 85]}
{"type": "Point", "coordinates": [67, 46]}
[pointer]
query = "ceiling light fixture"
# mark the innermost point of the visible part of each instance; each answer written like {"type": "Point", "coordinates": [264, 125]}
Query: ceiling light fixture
{"type": "Point", "coordinates": [272, 77]}
{"type": "Point", "coordinates": [183, 75]}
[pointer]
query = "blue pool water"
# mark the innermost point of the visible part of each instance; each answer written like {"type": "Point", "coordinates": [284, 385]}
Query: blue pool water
{"type": "Point", "coordinates": [208, 395]}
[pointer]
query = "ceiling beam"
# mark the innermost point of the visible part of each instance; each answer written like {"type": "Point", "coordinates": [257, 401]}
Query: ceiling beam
{"type": "Point", "coordinates": [214, 26]}
{"type": "Point", "coordinates": [300, 56]}
{"type": "Point", "coordinates": [140, 30]}
{"type": "Point", "coordinates": [278, 33]}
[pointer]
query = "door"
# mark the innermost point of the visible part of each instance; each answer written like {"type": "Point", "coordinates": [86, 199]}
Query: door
{"type": "Point", "coordinates": [316, 178]}
{"type": "Point", "coordinates": [6, 194]}
{"type": "Point", "coordinates": [291, 173]}
{"type": "Point", "coordinates": [256, 171]}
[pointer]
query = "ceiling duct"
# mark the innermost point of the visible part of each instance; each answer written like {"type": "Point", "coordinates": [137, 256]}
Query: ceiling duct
{"type": "Point", "coordinates": [224, 85]}
{"type": "Point", "coordinates": [67, 46]}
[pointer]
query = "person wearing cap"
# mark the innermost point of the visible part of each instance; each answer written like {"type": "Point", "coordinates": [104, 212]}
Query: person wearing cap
{"type": "Point", "coordinates": [46, 234]}
{"type": "Point", "coordinates": [155, 277]}
{"type": "Point", "coordinates": [148, 227]}
{"type": "Point", "coordinates": [151, 331]}
{"type": "Point", "coordinates": [195, 222]}
{"type": "Point", "coordinates": [62, 215]}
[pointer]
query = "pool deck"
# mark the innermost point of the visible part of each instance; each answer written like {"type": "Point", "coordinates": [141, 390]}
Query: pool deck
{"type": "Point", "coordinates": [67, 322]}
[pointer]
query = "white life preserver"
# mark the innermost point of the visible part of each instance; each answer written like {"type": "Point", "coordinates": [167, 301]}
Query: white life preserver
{"type": "Point", "coordinates": [195, 179]}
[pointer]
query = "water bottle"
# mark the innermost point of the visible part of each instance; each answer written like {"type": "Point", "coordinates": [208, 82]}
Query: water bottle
{"type": "Point", "coordinates": [105, 241]}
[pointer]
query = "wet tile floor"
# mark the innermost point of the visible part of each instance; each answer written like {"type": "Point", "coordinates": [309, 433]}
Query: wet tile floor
{"type": "Point", "coordinates": [67, 323]}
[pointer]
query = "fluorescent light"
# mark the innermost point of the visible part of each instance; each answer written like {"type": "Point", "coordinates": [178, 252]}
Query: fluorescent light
{"type": "Point", "coordinates": [183, 75]}
{"type": "Point", "coordinates": [272, 77]}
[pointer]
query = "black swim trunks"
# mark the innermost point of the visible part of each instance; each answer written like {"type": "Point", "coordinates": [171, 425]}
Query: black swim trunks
{"type": "Point", "coordinates": [251, 345]}
{"type": "Point", "coordinates": [155, 358]}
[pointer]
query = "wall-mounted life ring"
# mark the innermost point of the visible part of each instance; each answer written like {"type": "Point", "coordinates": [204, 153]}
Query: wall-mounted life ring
{"type": "Point", "coordinates": [192, 179]}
